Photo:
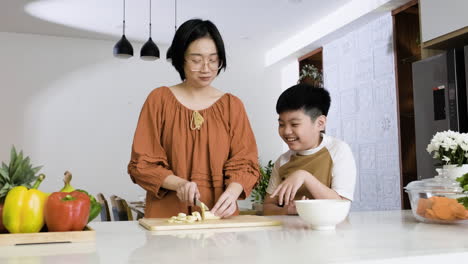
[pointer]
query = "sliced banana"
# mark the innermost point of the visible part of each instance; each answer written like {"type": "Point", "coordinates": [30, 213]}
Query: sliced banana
{"type": "Point", "coordinates": [210, 216]}
{"type": "Point", "coordinates": [182, 218]}
{"type": "Point", "coordinates": [191, 218]}
{"type": "Point", "coordinates": [197, 215]}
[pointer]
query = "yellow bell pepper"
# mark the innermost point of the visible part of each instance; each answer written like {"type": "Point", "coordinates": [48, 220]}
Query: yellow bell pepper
{"type": "Point", "coordinates": [23, 211]}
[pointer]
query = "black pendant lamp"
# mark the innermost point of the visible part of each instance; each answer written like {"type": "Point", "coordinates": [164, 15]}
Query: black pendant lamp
{"type": "Point", "coordinates": [149, 51]}
{"type": "Point", "coordinates": [123, 49]}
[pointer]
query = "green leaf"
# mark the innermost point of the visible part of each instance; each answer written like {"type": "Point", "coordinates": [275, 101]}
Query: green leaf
{"type": "Point", "coordinates": [18, 173]}
{"type": "Point", "coordinates": [464, 201]}
{"type": "Point", "coordinates": [463, 180]}
{"type": "Point", "coordinates": [259, 192]}
{"type": "Point", "coordinates": [29, 179]}
{"type": "Point", "coordinates": [26, 161]}
{"type": "Point", "coordinates": [13, 155]}
{"type": "Point", "coordinates": [37, 169]}
{"type": "Point", "coordinates": [14, 166]}
{"type": "Point", "coordinates": [4, 173]}
{"type": "Point", "coordinates": [5, 189]}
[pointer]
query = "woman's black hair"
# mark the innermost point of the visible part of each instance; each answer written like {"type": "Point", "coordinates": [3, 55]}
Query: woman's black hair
{"type": "Point", "coordinates": [314, 101]}
{"type": "Point", "coordinates": [188, 32]}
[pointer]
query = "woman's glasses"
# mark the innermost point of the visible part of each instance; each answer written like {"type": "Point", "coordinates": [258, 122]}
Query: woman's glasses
{"type": "Point", "coordinates": [198, 64]}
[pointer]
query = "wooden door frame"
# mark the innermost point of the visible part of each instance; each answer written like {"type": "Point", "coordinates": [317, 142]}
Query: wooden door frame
{"type": "Point", "coordinates": [394, 13]}
{"type": "Point", "coordinates": [310, 54]}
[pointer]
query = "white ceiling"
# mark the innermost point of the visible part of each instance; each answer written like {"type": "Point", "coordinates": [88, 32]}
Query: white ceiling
{"type": "Point", "coordinates": [263, 22]}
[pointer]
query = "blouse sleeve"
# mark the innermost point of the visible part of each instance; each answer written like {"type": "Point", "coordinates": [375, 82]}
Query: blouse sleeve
{"type": "Point", "coordinates": [148, 166]}
{"type": "Point", "coordinates": [242, 165]}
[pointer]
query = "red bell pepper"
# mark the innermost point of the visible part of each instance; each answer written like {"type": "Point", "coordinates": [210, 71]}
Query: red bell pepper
{"type": "Point", "coordinates": [67, 211]}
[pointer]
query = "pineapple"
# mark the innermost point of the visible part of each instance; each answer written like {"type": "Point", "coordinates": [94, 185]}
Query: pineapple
{"type": "Point", "coordinates": [20, 172]}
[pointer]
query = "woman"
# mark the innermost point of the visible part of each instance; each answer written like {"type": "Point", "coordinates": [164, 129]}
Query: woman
{"type": "Point", "coordinates": [192, 140]}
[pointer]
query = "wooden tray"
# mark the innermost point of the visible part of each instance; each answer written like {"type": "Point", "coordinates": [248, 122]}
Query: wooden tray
{"type": "Point", "coordinates": [49, 251]}
{"type": "Point", "coordinates": [157, 224]}
{"type": "Point", "coordinates": [88, 234]}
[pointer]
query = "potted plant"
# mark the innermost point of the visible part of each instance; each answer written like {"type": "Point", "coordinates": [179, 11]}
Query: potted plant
{"type": "Point", "coordinates": [311, 75]}
{"type": "Point", "coordinates": [450, 148]}
{"type": "Point", "coordinates": [259, 192]}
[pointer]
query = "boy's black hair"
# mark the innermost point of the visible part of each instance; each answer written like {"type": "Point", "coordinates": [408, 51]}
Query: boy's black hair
{"type": "Point", "coordinates": [313, 100]}
{"type": "Point", "coordinates": [188, 32]}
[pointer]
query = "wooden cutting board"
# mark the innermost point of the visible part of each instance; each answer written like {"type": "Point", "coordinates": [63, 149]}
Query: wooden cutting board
{"type": "Point", "coordinates": [156, 224]}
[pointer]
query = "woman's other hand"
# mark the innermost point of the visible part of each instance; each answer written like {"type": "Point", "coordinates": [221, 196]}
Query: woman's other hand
{"type": "Point", "coordinates": [187, 192]}
{"type": "Point", "coordinates": [227, 202]}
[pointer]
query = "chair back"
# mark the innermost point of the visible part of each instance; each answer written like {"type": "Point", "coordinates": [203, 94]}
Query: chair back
{"type": "Point", "coordinates": [120, 209]}
{"type": "Point", "coordinates": [105, 213]}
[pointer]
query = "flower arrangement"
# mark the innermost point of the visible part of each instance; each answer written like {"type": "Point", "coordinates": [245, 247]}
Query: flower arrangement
{"type": "Point", "coordinates": [311, 72]}
{"type": "Point", "coordinates": [449, 147]}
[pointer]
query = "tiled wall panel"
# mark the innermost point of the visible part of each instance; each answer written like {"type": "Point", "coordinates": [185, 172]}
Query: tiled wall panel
{"type": "Point", "coordinates": [359, 73]}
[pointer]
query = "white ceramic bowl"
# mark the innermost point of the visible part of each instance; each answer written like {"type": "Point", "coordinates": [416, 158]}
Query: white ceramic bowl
{"type": "Point", "coordinates": [323, 214]}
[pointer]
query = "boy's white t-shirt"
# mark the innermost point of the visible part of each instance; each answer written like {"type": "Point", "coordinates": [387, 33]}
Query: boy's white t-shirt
{"type": "Point", "coordinates": [343, 169]}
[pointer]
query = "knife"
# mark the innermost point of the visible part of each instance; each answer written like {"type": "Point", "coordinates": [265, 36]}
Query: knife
{"type": "Point", "coordinates": [202, 206]}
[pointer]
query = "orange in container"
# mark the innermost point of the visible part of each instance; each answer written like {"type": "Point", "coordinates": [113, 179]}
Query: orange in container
{"type": "Point", "coordinates": [441, 208]}
{"type": "Point", "coordinates": [423, 205]}
{"type": "Point", "coordinates": [448, 202]}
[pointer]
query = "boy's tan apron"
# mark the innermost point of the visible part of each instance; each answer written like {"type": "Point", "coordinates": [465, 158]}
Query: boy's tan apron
{"type": "Point", "coordinates": [318, 164]}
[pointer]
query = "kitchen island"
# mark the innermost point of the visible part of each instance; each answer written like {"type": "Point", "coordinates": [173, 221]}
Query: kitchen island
{"type": "Point", "coordinates": [364, 237]}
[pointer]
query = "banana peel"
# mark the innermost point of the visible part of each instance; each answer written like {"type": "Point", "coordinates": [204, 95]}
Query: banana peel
{"type": "Point", "coordinates": [66, 180]}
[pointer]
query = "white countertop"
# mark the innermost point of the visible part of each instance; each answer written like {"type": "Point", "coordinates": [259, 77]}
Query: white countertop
{"type": "Point", "coordinates": [365, 237]}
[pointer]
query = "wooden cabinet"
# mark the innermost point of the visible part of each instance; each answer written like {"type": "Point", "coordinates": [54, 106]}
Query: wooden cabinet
{"type": "Point", "coordinates": [444, 24]}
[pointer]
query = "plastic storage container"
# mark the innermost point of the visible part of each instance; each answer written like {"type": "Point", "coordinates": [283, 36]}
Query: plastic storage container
{"type": "Point", "coordinates": [437, 200]}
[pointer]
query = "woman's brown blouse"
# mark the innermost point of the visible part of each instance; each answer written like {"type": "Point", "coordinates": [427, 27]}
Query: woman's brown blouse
{"type": "Point", "coordinates": [221, 152]}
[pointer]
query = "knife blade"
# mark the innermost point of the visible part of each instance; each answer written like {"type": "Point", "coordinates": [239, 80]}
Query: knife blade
{"type": "Point", "coordinates": [202, 206]}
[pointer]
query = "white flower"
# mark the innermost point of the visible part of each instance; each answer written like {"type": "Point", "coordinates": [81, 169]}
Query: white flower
{"type": "Point", "coordinates": [449, 147]}
{"type": "Point", "coordinates": [431, 147]}
{"type": "Point", "coordinates": [464, 141]}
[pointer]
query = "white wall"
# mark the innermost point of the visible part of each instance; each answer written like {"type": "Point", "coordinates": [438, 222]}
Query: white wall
{"type": "Point", "coordinates": [442, 17]}
{"type": "Point", "coordinates": [359, 73]}
{"type": "Point", "coordinates": [71, 106]}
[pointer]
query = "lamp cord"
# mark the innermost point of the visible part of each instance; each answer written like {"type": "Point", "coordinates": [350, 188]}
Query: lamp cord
{"type": "Point", "coordinates": [175, 15]}
{"type": "Point", "coordinates": [150, 20]}
{"type": "Point", "coordinates": [124, 17]}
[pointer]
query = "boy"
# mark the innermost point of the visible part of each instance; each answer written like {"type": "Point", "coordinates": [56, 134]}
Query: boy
{"type": "Point", "coordinates": [317, 166]}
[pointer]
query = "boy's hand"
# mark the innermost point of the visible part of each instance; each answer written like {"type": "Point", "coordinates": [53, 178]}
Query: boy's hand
{"type": "Point", "coordinates": [292, 207]}
{"type": "Point", "coordinates": [286, 191]}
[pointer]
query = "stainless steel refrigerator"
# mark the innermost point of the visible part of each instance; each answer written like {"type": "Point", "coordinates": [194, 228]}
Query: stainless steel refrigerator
{"type": "Point", "coordinates": [440, 101]}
